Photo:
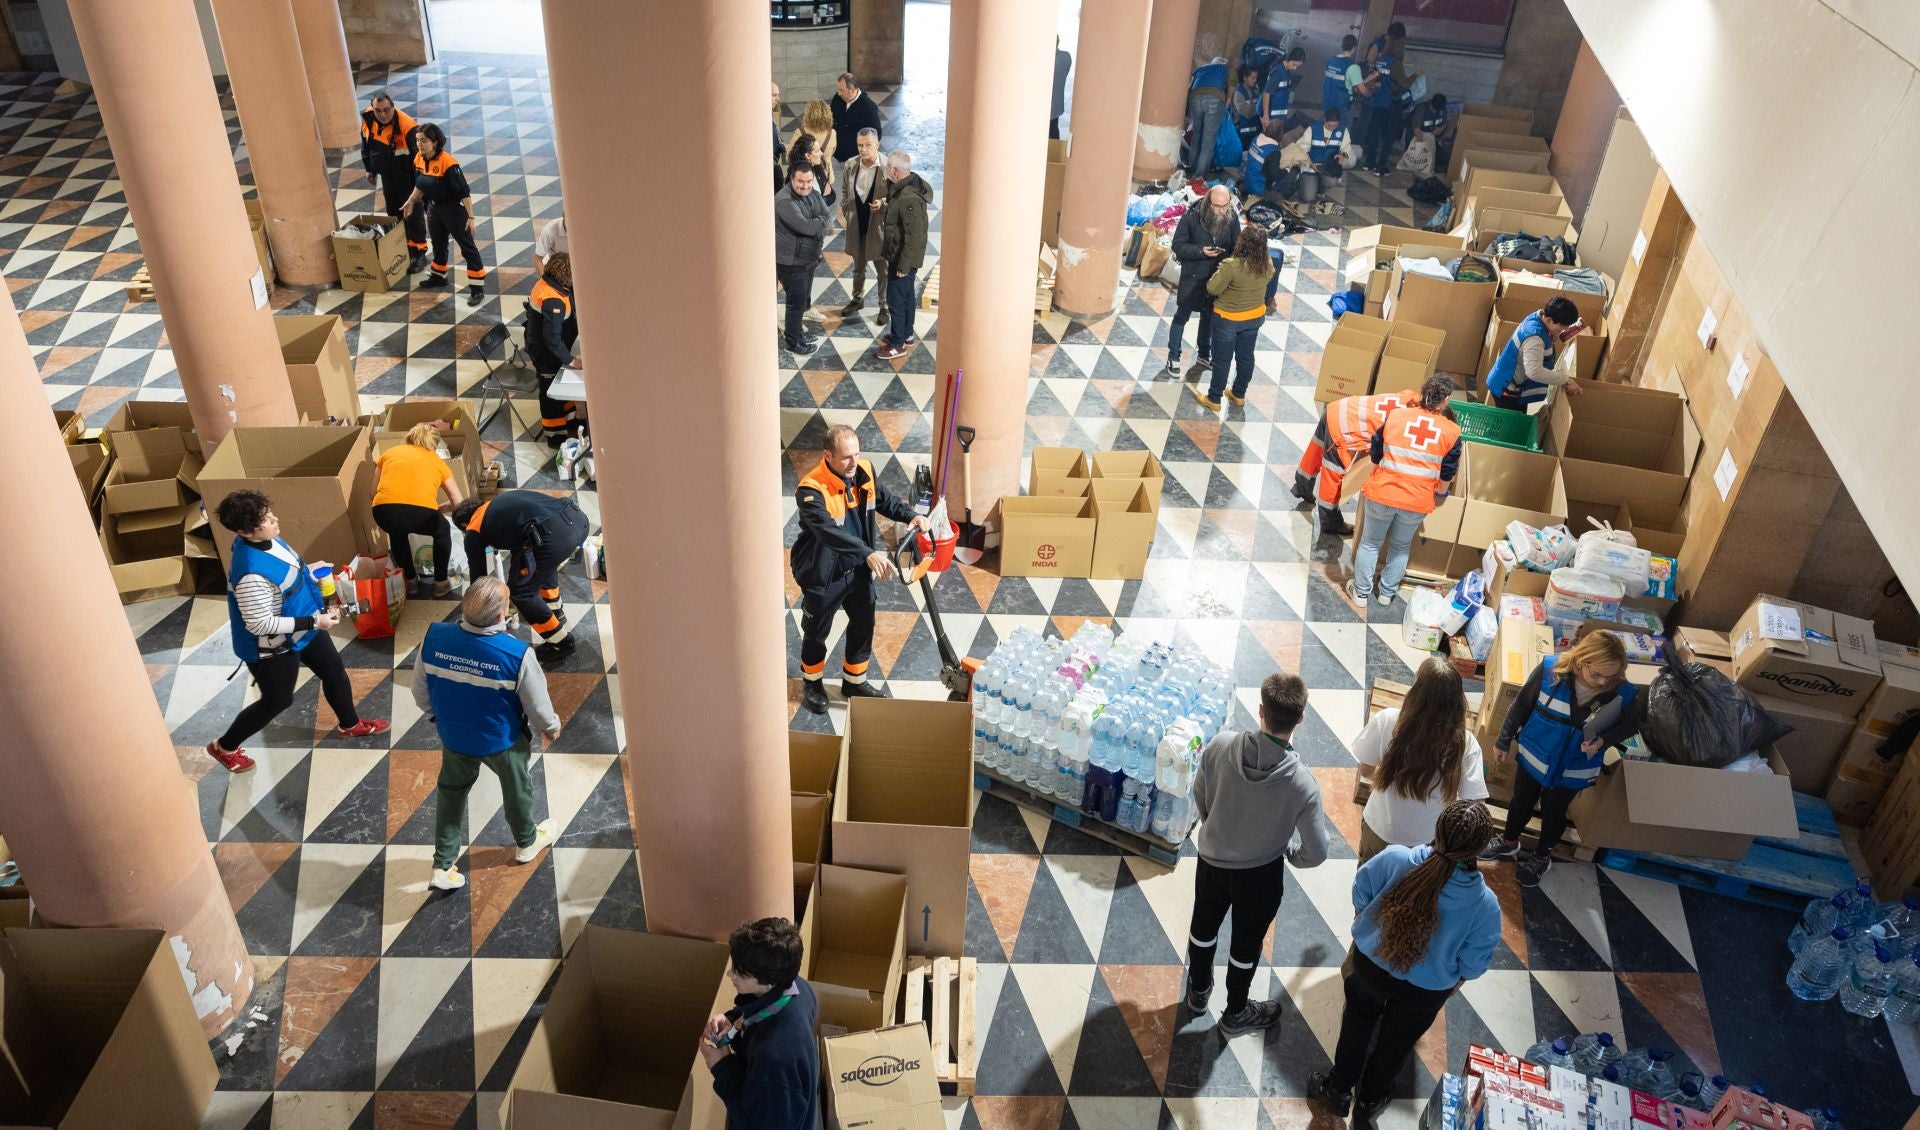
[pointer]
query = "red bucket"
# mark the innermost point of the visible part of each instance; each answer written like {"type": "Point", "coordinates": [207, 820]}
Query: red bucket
{"type": "Point", "coordinates": [937, 551]}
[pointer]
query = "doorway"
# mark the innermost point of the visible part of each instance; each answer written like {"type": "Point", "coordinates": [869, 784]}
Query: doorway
{"type": "Point", "coordinates": [486, 27]}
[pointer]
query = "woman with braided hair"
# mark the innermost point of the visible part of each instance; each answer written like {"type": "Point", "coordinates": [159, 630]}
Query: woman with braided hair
{"type": "Point", "coordinates": [1425, 923]}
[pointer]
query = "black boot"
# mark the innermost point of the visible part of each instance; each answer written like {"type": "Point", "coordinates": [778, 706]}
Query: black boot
{"type": "Point", "coordinates": [551, 653]}
{"type": "Point", "coordinates": [416, 262]}
{"type": "Point", "coordinates": [1332, 523]}
{"type": "Point", "coordinates": [1303, 489]}
{"type": "Point", "coordinates": [1320, 1090]}
{"type": "Point", "coordinates": [1365, 1112]}
{"type": "Point", "coordinates": [814, 697]}
{"type": "Point", "coordinates": [475, 294]}
{"type": "Point", "coordinates": [433, 282]}
{"type": "Point", "coordinates": [861, 690]}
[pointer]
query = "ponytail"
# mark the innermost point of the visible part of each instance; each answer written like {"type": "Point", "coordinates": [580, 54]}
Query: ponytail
{"type": "Point", "coordinates": [1409, 911]}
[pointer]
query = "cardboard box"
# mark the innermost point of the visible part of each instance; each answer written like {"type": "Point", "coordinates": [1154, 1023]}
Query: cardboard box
{"type": "Point", "coordinates": [1351, 358]}
{"type": "Point", "coordinates": [617, 1047]}
{"type": "Point", "coordinates": [371, 265]}
{"type": "Point", "coordinates": [146, 415]}
{"type": "Point", "coordinates": [310, 474]}
{"type": "Point", "coordinates": [1461, 309]}
{"type": "Point", "coordinates": [1813, 749]}
{"type": "Point", "coordinates": [1505, 486]}
{"type": "Point", "coordinates": [854, 935]}
{"type": "Point", "coordinates": [1372, 250]}
{"type": "Point", "coordinates": [1637, 442]}
{"type": "Point", "coordinates": [1479, 180]}
{"type": "Point", "coordinates": [1535, 284]}
{"type": "Point", "coordinates": [1861, 778]}
{"type": "Point", "coordinates": [1057, 471]}
{"type": "Point", "coordinates": [1125, 523]}
{"type": "Point", "coordinates": [1545, 203]}
{"type": "Point", "coordinates": [1517, 650]}
{"type": "Point", "coordinates": [257, 222]}
{"type": "Point", "coordinates": [314, 346]}
{"type": "Point", "coordinates": [1137, 466]}
{"type": "Point", "coordinates": [883, 1080]}
{"type": "Point", "coordinates": [1489, 224]}
{"type": "Point", "coordinates": [1046, 536]}
{"type": "Point", "coordinates": [1411, 354]}
{"type": "Point", "coordinates": [1508, 312]}
{"type": "Point", "coordinates": [1471, 161]}
{"type": "Point", "coordinates": [1806, 654]}
{"type": "Point", "coordinates": [1898, 698]}
{"type": "Point", "coordinates": [1658, 526]}
{"type": "Point", "coordinates": [99, 1033]}
{"type": "Point", "coordinates": [90, 467]}
{"type": "Point", "coordinates": [1651, 806]}
{"type": "Point", "coordinates": [151, 471]}
{"type": "Point", "coordinates": [905, 806]}
{"type": "Point", "coordinates": [814, 762]}
{"type": "Point", "coordinates": [1891, 842]}
{"type": "Point", "coordinates": [810, 816]}
{"type": "Point", "coordinates": [466, 452]}
{"type": "Point", "coordinates": [1053, 186]}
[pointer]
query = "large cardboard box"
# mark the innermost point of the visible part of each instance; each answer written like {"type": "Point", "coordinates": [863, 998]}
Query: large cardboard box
{"type": "Point", "coordinates": [1411, 354]}
{"type": "Point", "coordinates": [1471, 161]}
{"type": "Point", "coordinates": [1489, 224]}
{"type": "Point", "coordinates": [99, 1033]}
{"type": "Point", "coordinates": [1535, 283]}
{"type": "Point", "coordinates": [1052, 187]}
{"type": "Point", "coordinates": [314, 347]}
{"type": "Point", "coordinates": [1651, 806]}
{"type": "Point", "coordinates": [456, 427]}
{"type": "Point", "coordinates": [1664, 225]}
{"type": "Point", "coordinates": [1479, 180]}
{"type": "Point", "coordinates": [1136, 466]}
{"type": "Point", "coordinates": [1806, 654]}
{"type": "Point", "coordinates": [1461, 309]}
{"type": "Point", "coordinates": [1517, 650]}
{"type": "Point", "coordinates": [1658, 526]}
{"type": "Point", "coordinates": [1898, 698]}
{"type": "Point", "coordinates": [1547, 203]}
{"type": "Point", "coordinates": [883, 1080]}
{"type": "Point", "coordinates": [1505, 486]}
{"type": "Point", "coordinates": [1046, 536]}
{"type": "Point", "coordinates": [1640, 442]}
{"type": "Point", "coordinates": [1891, 842]}
{"type": "Point", "coordinates": [149, 415]}
{"type": "Point", "coordinates": [310, 474]}
{"type": "Point", "coordinates": [151, 471]}
{"type": "Point", "coordinates": [1125, 522]}
{"type": "Point", "coordinates": [1372, 250]}
{"type": "Point", "coordinates": [1351, 358]}
{"type": "Point", "coordinates": [814, 762]}
{"type": "Point", "coordinates": [1813, 749]}
{"type": "Point", "coordinates": [371, 265]}
{"type": "Point", "coordinates": [905, 805]}
{"type": "Point", "coordinates": [617, 1047]}
{"type": "Point", "coordinates": [854, 934]}
{"type": "Point", "coordinates": [1057, 471]}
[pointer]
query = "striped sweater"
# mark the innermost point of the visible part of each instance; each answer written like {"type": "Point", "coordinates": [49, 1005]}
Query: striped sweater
{"type": "Point", "coordinates": [259, 603]}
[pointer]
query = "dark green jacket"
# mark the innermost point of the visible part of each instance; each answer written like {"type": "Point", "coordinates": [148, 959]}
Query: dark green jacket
{"type": "Point", "coordinates": [904, 240]}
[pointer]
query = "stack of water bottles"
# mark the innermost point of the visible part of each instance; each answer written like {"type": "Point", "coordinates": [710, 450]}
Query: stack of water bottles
{"type": "Point", "coordinates": [1863, 951]}
{"type": "Point", "coordinates": [1648, 1070]}
{"type": "Point", "coordinates": [1112, 726]}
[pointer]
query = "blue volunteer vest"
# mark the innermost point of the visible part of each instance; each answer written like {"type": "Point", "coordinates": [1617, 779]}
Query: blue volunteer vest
{"type": "Point", "coordinates": [1383, 66]}
{"type": "Point", "coordinates": [1549, 745]}
{"type": "Point", "coordinates": [1253, 171]}
{"type": "Point", "coordinates": [1334, 94]}
{"type": "Point", "coordinates": [1322, 145]}
{"type": "Point", "coordinates": [1506, 367]}
{"type": "Point", "coordinates": [1210, 77]}
{"type": "Point", "coordinates": [1433, 121]}
{"type": "Point", "coordinates": [471, 681]}
{"type": "Point", "coordinates": [1280, 88]}
{"type": "Point", "coordinates": [299, 595]}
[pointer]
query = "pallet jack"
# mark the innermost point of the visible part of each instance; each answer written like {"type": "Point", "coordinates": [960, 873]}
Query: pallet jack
{"type": "Point", "coordinates": [916, 563]}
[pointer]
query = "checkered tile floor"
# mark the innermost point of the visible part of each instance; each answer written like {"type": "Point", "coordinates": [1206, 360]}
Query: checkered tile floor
{"type": "Point", "coordinates": [387, 1005]}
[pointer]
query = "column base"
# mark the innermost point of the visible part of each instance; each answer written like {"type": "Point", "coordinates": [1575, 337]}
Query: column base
{"type": "Point", "coordinates": [1078, 316]}
{"type": "Point", "coordinates": [334, 153]}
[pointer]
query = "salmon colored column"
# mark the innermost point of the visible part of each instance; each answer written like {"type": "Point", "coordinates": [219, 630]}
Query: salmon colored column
{"type": "Point", "coordinates": [697, 614]}
{"type": "Point", "coordinates": [283, 145]}
{"type": "Point", "coordinates": [1163, 90]}
{"type": "Point", "coordinates": [323, 44]}
{"type": "Point", "coordinates": [148, 66]}
{"type": "Point", "coordinates": [106, 828]}
{"type": "Point", "coordinates": [996, 161]}
{"type": "Point", "coordinates": [1093, 202]}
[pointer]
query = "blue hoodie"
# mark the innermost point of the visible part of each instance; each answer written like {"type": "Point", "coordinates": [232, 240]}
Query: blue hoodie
{"type": "Point", "coordinates": [1463, 940]}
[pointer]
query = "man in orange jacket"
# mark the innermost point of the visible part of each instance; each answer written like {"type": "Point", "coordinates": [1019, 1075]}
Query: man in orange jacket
{"type": "Point", "coordinates": [1345, 433]}
{"type": "Point", "coordinates": [1416, 454]}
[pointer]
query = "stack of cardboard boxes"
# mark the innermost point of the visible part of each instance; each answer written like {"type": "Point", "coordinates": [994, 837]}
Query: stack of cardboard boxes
{"type": "Point", "coordinates": [1082, 517]}
{"type": "Point", "coordinates": [1365, 355]}
{"type": "Point", "coordinates": [1873, 755]}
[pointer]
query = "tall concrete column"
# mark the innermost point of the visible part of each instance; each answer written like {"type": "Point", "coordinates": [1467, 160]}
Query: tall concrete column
{"type": "Point", "coordinates": [170, 149]}
{"type": "Point", "coordinates": [703, 673]}
{"type": "Point", "coordinates": [1093, 202]}
{"type": "Point", "coordinates": [1163, 90]}
{"type": "Point", "coordinates": [105, 826]}
{"type": "Point", "coordinates": [996, 156]}
{"type": "Point", "coordinates": [283, 144]}
{"type": "Point", "coordinates": [323, 44]}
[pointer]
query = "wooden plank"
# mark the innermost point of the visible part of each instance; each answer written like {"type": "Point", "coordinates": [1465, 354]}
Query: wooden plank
{"type": "Point", "coordinates": [914, 1004]}
{"type": "Point", "coordinates": [1158, 850]}
{"type": "Point", "coordinates": [967, 1054]}
{"type": "Point", "coordinates": [943, 981]}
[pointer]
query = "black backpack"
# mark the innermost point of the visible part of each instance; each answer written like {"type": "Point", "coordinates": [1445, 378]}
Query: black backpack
{"type": "Point", "coordinates": [1429, 190]}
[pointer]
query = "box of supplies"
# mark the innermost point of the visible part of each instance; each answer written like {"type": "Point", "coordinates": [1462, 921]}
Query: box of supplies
{"type": "Point", "coordinates": [883, 1080]}
{"type": "Point", "coordinates": [371, 252]}
{"type": "Point", "coordinates": [1806, 654]}
{"type": "Point", "coordinates": [854, 936]}
{"type": "Point", "coordinates": [1460, 308]}
{"type": "Point", "coordinates": [1046, 536]}
{"type": "Point", "coordinates": [1351, 358]}
{"type": "Point", "coordinates": [1656, 807]}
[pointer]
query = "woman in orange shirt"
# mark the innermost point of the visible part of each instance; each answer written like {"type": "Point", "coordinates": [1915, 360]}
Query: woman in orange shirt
{"type": "Point", "coordinates": [413, 476]}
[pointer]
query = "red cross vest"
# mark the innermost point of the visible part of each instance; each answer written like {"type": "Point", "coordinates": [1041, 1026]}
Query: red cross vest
{"type": "Point", "coordinates": [1413, 444]}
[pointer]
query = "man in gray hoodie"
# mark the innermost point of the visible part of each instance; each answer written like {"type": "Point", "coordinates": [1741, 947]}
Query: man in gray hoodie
{"type": "Point", "coordinates": [801, 218]}
{"type": "Point", "coordinates": [1259, 810]}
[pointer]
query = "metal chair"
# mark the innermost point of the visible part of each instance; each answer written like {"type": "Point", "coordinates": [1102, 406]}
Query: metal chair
{"type": "Point", "coordinates": [492, 349]}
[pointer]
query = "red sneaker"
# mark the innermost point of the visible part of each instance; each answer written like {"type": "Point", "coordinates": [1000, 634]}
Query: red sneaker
{"type": "Point", "coordinates": [367, 728]}
{"type": "Point", "coordinates": [235, 762]}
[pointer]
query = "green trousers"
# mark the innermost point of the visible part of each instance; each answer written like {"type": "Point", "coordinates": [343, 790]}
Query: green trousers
{"type": "Point", "coordinates": [458, 772]}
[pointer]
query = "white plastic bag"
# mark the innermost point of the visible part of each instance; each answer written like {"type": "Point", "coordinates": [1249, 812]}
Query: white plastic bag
{"type": "Point", "coordinates": [1624, 563]}
{"type": "Point", "coordinates": [1428, 613]}
{"type": "Point", "coordinates": [420, 550]}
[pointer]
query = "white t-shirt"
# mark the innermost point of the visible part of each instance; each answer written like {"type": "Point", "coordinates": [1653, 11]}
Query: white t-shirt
{"type": "Point", "coordinates": [1399, 819]}
{"type": "Point", "coordinates": [552, 239]}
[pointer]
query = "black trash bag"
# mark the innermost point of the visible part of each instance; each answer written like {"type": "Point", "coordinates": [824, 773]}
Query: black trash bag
{"type": "Point", "coordinates": [1697, 716]}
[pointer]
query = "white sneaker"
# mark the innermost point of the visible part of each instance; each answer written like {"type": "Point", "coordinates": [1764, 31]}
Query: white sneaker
{"type": "Point", "coordinates": [1383, 599]}
{"type": "Point", "coordinates": [542, 836]}
{"type": "Point", "coordinates": [448, 880]}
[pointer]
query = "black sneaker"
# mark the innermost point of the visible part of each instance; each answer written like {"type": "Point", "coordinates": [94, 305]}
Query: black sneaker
{"type": "Point", "coordinates": [551, 653]}
{"type": "Point", "coordinates": [804, 346]}
{"type": "Point", "coordinates": [1320, 1090]}
{"type": "Point", "coordinates": [861, 690]}
{"type": "Point", "coordinates": [433, 282]}
{"type": "Point", "coordinates": [475, 294]}
{"type": "Point", "coordinates": [1499, 847]}
{"type": "Point", "coordinates": [1364, 1114]}
{"type": "Point", "coordinates": [1197, 998]}
{"type": "Point", "coordinates": [1173, 366]}
{"type": "Point", "coordinates": [1250, 1017]}
{"type": "Point", "coordinates": [814, 697]}
{"type": "Point", "coordinates": [1533, 868]}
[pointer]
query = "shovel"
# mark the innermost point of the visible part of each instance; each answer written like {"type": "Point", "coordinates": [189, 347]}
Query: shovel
{"type": "Point", "coordinates": [972, 545]}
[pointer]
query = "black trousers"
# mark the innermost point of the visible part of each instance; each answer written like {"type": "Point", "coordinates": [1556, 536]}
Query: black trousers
{"type": "Point", "coordinates": [276, 675]}
{"type": "Point", "coordinates": [853, 591]}
{"type": "Point", "coordinates": [1553, 810]}
{"type": "Point", "coordinates": [1191, 299]}
{"type": "Point", "coordinates": [534, 583]}
{"type": "Point", "coordinates": [450, 223]}
{"type": "Point", "coordinates": [797, 280]}
{"type": "Point", "coordinates": [399, 520]}
{"type": "Point", "coordinates": [1253, 894]}
{"type": "Point", "coordinates": [556, 416]}
{"type": "Point", "coordinates": [1510, 403]}
{"type": "Point", "coordinates": [395, 187]}
{"type": "Point", "coordinates": [1383, 1019]}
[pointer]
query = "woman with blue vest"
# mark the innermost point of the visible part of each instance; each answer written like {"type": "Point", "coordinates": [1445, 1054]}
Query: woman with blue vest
{"type": "Point", "coordinates": [1572, 709]}
{"type": "Point", "coordinates": [1523, 375]}
{"type": "Point", "coordinates": [280, 623]}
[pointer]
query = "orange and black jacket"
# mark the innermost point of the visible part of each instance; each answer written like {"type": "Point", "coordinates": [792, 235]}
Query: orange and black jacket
{"type": "Point", "coordinates": [838, 523]}
{"type": "Point", "coordinates": [551, 326]}
{"type": "Point", "coordinates": [440, 181]}
{"type": "Point", "coordinates": [509, 522]}
{"type": "Point", "coordinates": [378, 142]}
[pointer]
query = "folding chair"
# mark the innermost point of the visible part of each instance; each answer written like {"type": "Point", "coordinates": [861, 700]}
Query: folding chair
{"type": "Point", "coordinates": [492, 348]}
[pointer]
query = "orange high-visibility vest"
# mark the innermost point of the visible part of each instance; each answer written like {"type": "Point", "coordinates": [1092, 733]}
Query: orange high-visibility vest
{"type": "Point", "coordinates": [1413, 442]}
{"type": "Point", "coordinates": [1352, 420]}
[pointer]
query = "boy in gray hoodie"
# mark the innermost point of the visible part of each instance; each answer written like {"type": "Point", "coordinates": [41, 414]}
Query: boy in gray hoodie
{"type": "Point", "coordinates": [1259, 810]}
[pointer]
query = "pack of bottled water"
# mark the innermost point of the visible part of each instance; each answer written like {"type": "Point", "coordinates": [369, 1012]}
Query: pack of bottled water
{"type": "Point", "coordinates": [1111, 725]}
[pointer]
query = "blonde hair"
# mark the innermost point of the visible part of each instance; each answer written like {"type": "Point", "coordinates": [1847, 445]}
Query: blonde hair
{"type": "Point", "coordinates": [1592, 647]}
{"type": "Point", "coordinates": [817, 119]}
{"type": "Point", "coordinates": [424, 435]}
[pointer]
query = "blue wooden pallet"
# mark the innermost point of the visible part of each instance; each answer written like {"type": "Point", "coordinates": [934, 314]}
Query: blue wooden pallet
{"type": "Point", "coordinates": [1775, 872]}
{"type": "Point", "coordinates": [1150, 847]}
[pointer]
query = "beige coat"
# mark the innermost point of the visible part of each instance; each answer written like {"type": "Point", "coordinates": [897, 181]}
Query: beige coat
{"type": "Point", "coordinates": [868, 249]}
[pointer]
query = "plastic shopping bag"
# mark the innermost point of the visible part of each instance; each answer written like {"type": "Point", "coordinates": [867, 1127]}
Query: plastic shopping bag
{"type": "Point", "coordinates": [1227, 148]}
{"type": "Point", "coordinates": [381, 591]}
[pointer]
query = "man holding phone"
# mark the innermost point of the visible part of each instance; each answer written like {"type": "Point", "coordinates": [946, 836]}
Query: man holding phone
{"type": "Point", "coordinates": [763, 1053]}
{"type": "Point", "coordinates": [1523, 375]}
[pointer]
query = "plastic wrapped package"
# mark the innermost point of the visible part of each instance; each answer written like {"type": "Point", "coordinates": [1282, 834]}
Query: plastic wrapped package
{"type": "Point", "coordinates": [1498, 557]}
{"type": "Point", "coordinates": [1627, 564]}
{"type": "Point", "coordinates": [1663, 574]}
{"type": "Point", "coordinates": [1561, 543]}
{"type": "Point", "coordinates": [1481, 631]}
{"type": "Point", "coordinates": [1582, 594]}
{"type": "Point", "coordinates": [1529, 608]}
{"type": "Point", "coordinates": [1469, 593]}
{"type": "Point", "coordinates": [1603, 531]}
{"type": "Point", "coordinates": [1529, 548]}
{"type": "Point", "coordinates": [1428, 613]}
{"type": "Point", "coordinates": [1640, 620]}
{"type": "Point", "coordinates": [1641, 648]}
{"type": "Point", "coordinates": [1698, 716]}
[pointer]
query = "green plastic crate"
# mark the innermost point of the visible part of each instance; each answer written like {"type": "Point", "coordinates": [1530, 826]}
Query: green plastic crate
{"type": "Point", "coordinates": [1500, 427]}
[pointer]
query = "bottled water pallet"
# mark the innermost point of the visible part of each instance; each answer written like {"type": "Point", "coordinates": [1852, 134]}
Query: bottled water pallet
{"type": "Point", "coordinates": [1775, 872]}
{"type": "Point", "coordinates": [1151, 847]}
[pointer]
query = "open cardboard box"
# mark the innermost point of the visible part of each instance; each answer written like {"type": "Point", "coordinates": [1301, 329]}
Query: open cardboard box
{"type": "Point", "coordinates": [1351, 357]}
{"type": "Point", "coordinates": [1125, 522]}
{"type": "Point", "coordinates": [372, 265]}
{"type": "Point", "coordinates": [1060, 471]}
{"type": "Point", "coordinates": [905, 805]}
{"type": "Point", "coordinates": [814, 762]}
{"type": "Point", "coordinates": [854, 935]}
{"type": "Point", "coordinates": [883, 1080]}
{"type": "Point", "coordinates": [1433, 545]}
{"type": "Point", "coordinates": [617, 1047]}
{"type": "Point", "coordinates": [148, 415]}
{"type": "Point", "coordinates": [1476, 160]}
{"type": "Point", "coordinates": [1806, 654]}
{"type": "Point", "coordinates": [1547, 203]}
{"type": "Point", "coordinates": [1643, 440]}
{"type": "Point", "coordinates": [99, 1033]}
{"type": "Point", "coordinates": [1482, 179]}
{"type": "Point", "coordinates": [1136, 466]}
{"type": "Point", "coordinates": [1650, 806]}
{"type": "Point", "coordinates": [810, 816]}
{"type": "Point", "coordinates": [1535, 283]}
{"type": "Point", "coordinates": [1046, 536]}
{"type": "Point", "coordinates": [311, 476]}
{"type": "Point", "coordinates": [450, 418]}
{"type": "Point", "coordinates": [1411, 354]}
{"type": "Point", "coordinates": [314, 347]}
{"type": "Point", "coordinates": [1517, 650]}
{"type": "Point", "coordinates": [1489, 224]}
{"type": "Point", "coordinates": [1505, 486]}
{"type": "Point", "coordinates": [1461, 309]}
{"type": "Point", "coordinates": [1372, 250]}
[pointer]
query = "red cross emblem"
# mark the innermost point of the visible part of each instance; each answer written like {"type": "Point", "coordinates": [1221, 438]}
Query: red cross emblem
{"type": "Point", "coordinates": [1423, 433]}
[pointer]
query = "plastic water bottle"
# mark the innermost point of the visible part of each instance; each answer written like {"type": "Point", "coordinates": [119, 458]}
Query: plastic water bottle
{"type": "Point", "coordinates": [1821, 967]}
{"type": "Point", "coordinates": [1711, 1088]}
{"type": "Point", "coordinates": [1865, 911]}
{"type": "Point", "coordinates": [1555, 1053]}
{"type": "Point", "coordinates": [1899, 924]}
{"type": "Point", "coordinates": [1869, 982]}
{"type": "Point", "coordinates": [1129, 801]}
{"type": "Point", "coordinates": [1687, 1091]}
{"type": "Point", "coordinates": [1903, 1006]}
{"type": "Point", "coordinates": [1827, 1119]}
{"type": "Point", "coordinates": [1650, 1071]}
{"type": "Point", "coordinates": [1109, 732]}
{"type": "Point", "coordinates": [1821, 916]}
{"type": "Point", "coordinates": [1594, 1051]}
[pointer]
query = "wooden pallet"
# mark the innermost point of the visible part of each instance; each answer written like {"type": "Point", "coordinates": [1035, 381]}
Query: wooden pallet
{"type": "Point", "coordinates": [1775, 872]}
{"type": "Point", "coordinates": [141, 288]}
{"type": "Point", "coordinates": [930, 294]}
{"type": "Point", "coordinates": [940, 993]}
{"type": "Point", "coordinates": [1151, 847]}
